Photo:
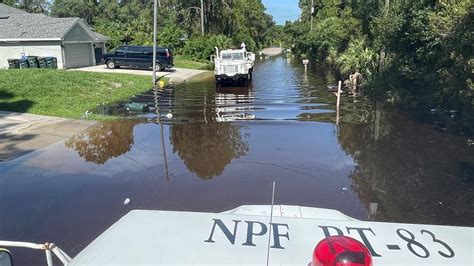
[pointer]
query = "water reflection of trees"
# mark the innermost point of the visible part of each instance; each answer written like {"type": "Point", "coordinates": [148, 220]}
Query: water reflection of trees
{"type": "Point", "coordinates": [207, 149]}
{"type": "Point", "coordinates": [205, 145]}
{"type": "Point", "coordinates": [104, 141]}
{"type": "Point", "coordinates": [414, 173]}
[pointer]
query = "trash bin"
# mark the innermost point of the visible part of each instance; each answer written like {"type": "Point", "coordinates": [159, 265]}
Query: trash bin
{"type": "Point", "coordinates": [24, 63]}
{"type": "Point", "coordinates": [51, 62]}
{"type": "Point", "coordinates": [33, 61]}
{"type": "Point", "coordinates": [42, 62]}
{"type": "Point", "coordinates": [13, 63]}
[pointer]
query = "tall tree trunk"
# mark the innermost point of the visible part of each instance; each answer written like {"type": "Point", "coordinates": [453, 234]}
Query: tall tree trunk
{"type": "Point", "coordinates": [382, 52]}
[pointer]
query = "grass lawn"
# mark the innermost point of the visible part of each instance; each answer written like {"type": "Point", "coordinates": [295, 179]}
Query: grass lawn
{"type": "Point", "coordinates": [64, 93]}
{"type": "Point", "coordinates": [183, 62]}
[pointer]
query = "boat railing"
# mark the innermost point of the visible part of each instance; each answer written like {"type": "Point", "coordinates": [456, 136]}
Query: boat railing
{"type": "Point", "coordinates": [49, 249]}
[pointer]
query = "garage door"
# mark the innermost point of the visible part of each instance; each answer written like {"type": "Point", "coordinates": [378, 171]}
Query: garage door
{"type": "Point", "coordinates": [78, 55]}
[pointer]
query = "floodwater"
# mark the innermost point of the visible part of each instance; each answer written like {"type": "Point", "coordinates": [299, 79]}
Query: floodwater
{"type": "Point", "coordinates": [213, 149]}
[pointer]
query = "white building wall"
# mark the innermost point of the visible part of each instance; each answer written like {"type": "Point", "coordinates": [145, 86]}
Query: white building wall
{"type": "Point", "coordinates": [38, 48]}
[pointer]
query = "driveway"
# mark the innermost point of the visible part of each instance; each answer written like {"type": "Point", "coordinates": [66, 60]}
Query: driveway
{"type": "Point", "coordinates": [176, 75]}
{"type": "Point", "coordinates": [22, 133]}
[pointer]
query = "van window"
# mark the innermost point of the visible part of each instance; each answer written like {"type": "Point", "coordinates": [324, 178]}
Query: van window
{"type": "Point", "coordinates": [135, 50]}
{"type": "Point", "coordinates": [147, 50]}
{"type": "Point", "coordinates": [161, 52]}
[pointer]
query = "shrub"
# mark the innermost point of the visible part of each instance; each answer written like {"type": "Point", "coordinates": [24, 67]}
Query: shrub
{"type": "Point", "coordinates": [202, 47]}
{"type": "Point", "coordinates": [170, 36]}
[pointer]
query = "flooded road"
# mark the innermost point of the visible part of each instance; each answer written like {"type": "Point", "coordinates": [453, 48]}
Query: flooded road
{"type": "Point", "coordinates": [216, 149]}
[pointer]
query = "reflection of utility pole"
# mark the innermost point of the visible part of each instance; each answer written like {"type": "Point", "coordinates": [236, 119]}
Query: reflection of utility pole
{"type": "Point", "coordinates": [163, 148]}
{"type": "Point", "coordinates": [165, 158]}
{"type": "Point", "coordinates": [205, 108]}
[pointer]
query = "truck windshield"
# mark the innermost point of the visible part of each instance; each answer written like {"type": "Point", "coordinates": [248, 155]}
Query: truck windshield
{"type": "Point", "coordinates": [238, 56]}
{"type": "Point", "coordinates": [227, 56]}
{"type": "Point", "coordinates": [233, 56]}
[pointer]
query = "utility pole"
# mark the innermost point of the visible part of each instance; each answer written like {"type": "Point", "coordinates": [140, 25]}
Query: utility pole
{"type": "Point", "coordinates": [312, 11]}
{"type": "Point", "coordinates": [155, 5]}
{"type": "Point", "coordinates": [202, 17]}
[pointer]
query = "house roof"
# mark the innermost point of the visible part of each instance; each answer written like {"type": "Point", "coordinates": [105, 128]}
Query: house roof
{"type": "Point", "coordinates": [100, 37]}
{"type": "Point", "coordinates": [19, 25]}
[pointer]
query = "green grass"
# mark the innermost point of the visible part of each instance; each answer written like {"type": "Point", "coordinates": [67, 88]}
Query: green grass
{"type": "Point", "coordinates": [183, 62]}
{"type": "Point", "coordinates": [64, 93]}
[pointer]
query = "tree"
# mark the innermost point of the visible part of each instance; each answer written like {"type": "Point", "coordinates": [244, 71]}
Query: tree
{"type": "Point", "coordinates": [86, 10]}
{"type": "Point", "coordinates": [131, 20]}
{"type": "Point", "coordinates": [32, 6]}
{"type": "Point", "coordinates": [171, 36]}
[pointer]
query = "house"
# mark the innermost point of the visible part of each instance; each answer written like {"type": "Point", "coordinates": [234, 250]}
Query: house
{"type": "Point", "coordinates": [70, 40]}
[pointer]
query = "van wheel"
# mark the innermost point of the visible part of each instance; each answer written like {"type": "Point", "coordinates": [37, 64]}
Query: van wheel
{"type": "Point", "coordinates": [158, 67]}
{"type": "Point", "coordinates": [111, 64]}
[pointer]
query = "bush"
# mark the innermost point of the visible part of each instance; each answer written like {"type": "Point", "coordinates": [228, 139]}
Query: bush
{"type": "Point", "coordinates": [202, 47]}
{"type": "Point", "coordinates": [170, 36]}
{"type": "Point", "coordinates": [357, 57]}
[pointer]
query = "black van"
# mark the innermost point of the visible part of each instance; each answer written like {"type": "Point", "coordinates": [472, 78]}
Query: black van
{"type": "Point", "coordinates": [139, 57]}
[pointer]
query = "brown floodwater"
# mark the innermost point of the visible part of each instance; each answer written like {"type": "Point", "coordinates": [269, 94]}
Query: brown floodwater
{"type": "Point", "coordinates": [213, 149]}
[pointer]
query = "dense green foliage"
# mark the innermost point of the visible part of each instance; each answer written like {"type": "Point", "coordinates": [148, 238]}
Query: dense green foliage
{"type": "Point", "coordinates": [64, 93]}
{"type": "Point", "coordinates": [414, 53]}
{"type": "Point", "coordinates": [201, 47]}
{"type": "Point", "coordinates": [228, 22]}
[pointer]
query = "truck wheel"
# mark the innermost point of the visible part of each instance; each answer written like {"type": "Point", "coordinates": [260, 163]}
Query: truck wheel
{"type": "Point", "coordinates": [111, 64]}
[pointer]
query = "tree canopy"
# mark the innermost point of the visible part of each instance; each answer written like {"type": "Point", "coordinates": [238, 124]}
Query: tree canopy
{"type": "Point", "coordinates": [179, 21]}
{"type": "Point", "coordinates": [414, 53]}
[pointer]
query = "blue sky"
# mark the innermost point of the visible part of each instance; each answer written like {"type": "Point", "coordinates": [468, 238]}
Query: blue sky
{"type": "Point", "coordinates": [282, 10]}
